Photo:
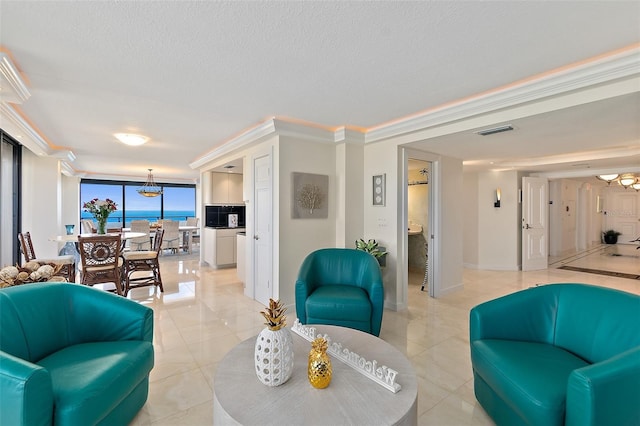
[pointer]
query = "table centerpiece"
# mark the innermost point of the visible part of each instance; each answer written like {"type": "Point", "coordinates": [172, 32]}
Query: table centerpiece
{"type": "Point", "coordinates": [100, 209]}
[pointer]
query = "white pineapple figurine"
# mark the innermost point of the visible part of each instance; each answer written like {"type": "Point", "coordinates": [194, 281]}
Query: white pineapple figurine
{"type": "Point", "coordinates": [274, 347]}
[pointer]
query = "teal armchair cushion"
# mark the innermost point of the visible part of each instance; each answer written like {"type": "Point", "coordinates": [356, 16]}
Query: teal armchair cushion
{"type": "Point", "coordinates": [71, 354]}
{"type": "Point", "coordinates": [558, 354]}
{"type": "Point", "coordinates": [343, 287]}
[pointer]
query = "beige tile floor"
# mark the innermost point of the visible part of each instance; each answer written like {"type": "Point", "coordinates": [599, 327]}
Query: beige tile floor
{"type": "Point", "coordinates": [203, 314]}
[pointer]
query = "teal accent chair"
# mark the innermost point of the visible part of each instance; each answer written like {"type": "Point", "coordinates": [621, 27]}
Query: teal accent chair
{"type": "Point", "coordinates": [339, 286]}
{"type": "Point", "coordinates": [558, 354]}
{"type": "Point", "coordinates": [72, 355]}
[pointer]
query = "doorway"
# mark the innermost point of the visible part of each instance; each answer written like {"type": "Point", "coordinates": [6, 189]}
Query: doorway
{"type": "Point", "coordinates": [418, 202]}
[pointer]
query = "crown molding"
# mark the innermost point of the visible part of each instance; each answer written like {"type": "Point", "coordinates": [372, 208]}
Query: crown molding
{"type": "Point", "coordinates": [22, 131]}
{"type": "Point", "coordinates": [303, 130]}
{"type": "Point", "coordinates": [269, 127]}
{"type": "Point", "coordinates": [28, 136]}
{"type": "Point", "coordinates": [249, 136]}
{"type": "Point", "coordinates": [347, 135]}
{"type": "Point", "coordinates": [602, 70]}
{"type": "Point", "coordinates": [580, 173]}
{"type": "Point", "coordinates": [13, 87]}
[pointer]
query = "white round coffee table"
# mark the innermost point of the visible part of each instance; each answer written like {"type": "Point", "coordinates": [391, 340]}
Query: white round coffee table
{"type": "Point", "coordinates": [351, 398]}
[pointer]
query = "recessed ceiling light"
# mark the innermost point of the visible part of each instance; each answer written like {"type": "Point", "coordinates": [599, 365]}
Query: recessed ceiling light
{"type": "Point", "coordinates": [131, 139]}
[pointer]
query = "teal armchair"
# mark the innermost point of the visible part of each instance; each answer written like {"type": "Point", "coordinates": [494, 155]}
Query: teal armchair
{"type": "Point", "coordinates": [339, 286]}
{"type": "Point", "coordinates": [72, 355]}
{"type": "Point", "coordinates": [558, 354]}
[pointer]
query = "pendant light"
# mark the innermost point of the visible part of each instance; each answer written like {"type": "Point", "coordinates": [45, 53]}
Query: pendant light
{"type": "Point", "coordinates": [150, 187]}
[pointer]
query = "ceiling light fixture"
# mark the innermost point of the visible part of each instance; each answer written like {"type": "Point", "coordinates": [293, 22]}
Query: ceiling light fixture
{"type": "Point", "coordinates": [150, 187]}
{"type": "Point", "coordinates": [625, 180]}
{"type": "Point", "coordinates": [131, 139]}
{"type": "Point", "coordinates": [494, 130]}
{"type": "Point", "coordinates": [608, 178]}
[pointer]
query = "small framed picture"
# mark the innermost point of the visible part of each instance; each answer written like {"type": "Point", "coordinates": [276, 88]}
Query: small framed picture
{"type": "Point", "coordinates": [379, 189]}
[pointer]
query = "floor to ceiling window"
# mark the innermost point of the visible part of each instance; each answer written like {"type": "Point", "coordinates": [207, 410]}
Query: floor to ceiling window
{"type": "Point", "coordinates": [177, 201]}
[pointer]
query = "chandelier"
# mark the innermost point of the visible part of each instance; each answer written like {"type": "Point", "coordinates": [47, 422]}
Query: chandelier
{"type": "Point", "coordinates": [150, 187]}
{"type": "Point", "coordinates": [626, 180]}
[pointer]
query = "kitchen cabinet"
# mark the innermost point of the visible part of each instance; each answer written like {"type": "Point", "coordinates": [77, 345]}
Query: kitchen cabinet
{"type": "Point", "coordinates": [221, 250]}
{"type": "Point", "coordinates": [240, 256]}
{"type": "Point", "coordinates": [226, 188]}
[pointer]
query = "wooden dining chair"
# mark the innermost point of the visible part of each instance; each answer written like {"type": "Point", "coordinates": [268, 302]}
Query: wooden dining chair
{"type": "Point", "coordinates": [100, 260]}
{"type": "Point", "coordinates": [67, 263]}
{"type": "Point", "coordinates": [145, 262]}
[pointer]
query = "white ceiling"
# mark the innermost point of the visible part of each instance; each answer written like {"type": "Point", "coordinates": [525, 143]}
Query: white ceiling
{"type": "Point", "coordinates": [192, 75]}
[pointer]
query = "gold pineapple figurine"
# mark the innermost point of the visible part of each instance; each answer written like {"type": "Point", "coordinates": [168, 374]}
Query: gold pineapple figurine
{"type": "Point", "coordinates": [319, 370]}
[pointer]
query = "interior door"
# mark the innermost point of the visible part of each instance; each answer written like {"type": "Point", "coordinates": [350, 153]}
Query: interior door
{"type": "Point", "coordinates": [262, 237]}
{"type": "Point", "coordinates": [623, 215]}
{"type": "Point", "coordinates": [535, 223]}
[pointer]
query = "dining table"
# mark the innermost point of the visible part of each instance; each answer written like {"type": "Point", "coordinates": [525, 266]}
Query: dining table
{"type": "Point", "coordinates": [187, 234]}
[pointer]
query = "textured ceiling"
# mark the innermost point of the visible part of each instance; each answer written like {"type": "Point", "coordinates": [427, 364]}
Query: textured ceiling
{"type": "Point", "coordinates": [191, 75]}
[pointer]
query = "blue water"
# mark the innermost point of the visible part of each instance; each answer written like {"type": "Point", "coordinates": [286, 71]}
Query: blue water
{"type": "Point", "coordinates": [150, 215]}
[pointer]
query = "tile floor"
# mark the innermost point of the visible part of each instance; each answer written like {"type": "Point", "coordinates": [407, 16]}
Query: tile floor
{"type": "Point", "coordinates": [203, 314]}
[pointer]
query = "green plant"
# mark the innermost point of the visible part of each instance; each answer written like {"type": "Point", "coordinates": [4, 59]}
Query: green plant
{"type": "Point", "coordinates": [611, 233]}
{"type": "Point", "coordinates": [371, 247]}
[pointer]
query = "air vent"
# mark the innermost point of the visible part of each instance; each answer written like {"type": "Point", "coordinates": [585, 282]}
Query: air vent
{"type": "Point", "coordinates": [494, 130]}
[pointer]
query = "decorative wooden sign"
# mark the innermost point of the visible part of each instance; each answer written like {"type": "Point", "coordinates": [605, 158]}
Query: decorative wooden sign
{"type": "Point", "coordinates": [383, 375]}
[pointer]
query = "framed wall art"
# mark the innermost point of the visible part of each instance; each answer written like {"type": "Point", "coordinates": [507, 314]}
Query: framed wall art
{"type": "Point", "coordinates": [310, 197]}
{"type": "Point", "coordinates": [379, 190]}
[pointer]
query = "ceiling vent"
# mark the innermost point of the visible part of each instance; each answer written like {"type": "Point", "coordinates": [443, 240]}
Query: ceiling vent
{"type": "Point", "coordinates": [493, 130]}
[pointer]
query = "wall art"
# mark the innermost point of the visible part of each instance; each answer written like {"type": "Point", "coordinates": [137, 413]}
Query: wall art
{"type": "Point", "coordinates": [310, 197]}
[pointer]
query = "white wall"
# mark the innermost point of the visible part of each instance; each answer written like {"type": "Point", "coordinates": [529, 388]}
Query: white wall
{"type": "Point", "coordinates": [498, 228]}
{"type": "Point", "coordinates": [299, 237]}
{"type": "Point", "coordinates": [41, 202]}
{"type": "Point", "coordinates": [451, 218]}
{"type": "Point", "coordinates": [349, 192]}
{"type": "Point", "coordinates": [471, 221]}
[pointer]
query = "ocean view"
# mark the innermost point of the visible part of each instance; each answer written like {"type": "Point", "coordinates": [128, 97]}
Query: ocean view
{"type": "Point", "coordinates": [150, 215]}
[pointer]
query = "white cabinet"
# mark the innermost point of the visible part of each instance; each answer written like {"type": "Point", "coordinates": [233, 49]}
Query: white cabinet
{"type": "Point", "coordinates": [225, 249]}
{"type": "Point", "coordinates": [207, 245]}
{"type": "Point", "coordinates": [220, 246]}
{"type": "Point", "coordinates": [235, 188]}
{"type": "Point", "coordinates": [226, 188]}
{"type": "Point", "coordinates": [240, 263]}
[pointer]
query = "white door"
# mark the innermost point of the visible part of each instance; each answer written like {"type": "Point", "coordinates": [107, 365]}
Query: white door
{"type": "Point", "coordinates": [262, 237]}
{"type": "Point", "coordinates": [535, 223]}
{"type": "Point", "coordinates": [623, 215]}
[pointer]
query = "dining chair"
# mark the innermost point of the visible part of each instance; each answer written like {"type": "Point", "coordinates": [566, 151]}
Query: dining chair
{"type": "Point", "coordinates": [100, 260]}
{"type": "Point", "coordinates": [195, 235]}
{"type": "Point", "coordinates": [144, 261]}
{"type": "Point", "coordinates": [67, 263]}
{"type": "Point", "coordinates": [171, 239]}
{"type": "Point", "coordinates": [87, 226]}
{"type": "Point", "coordinates": [140, 243]}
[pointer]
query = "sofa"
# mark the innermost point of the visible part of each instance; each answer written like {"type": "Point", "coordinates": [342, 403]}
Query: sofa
{"type": "Point", "coordinates": [558, 354]}
{"type": "Point", "coordinates": [72, 355]}
{"type": "Point", "coordinates": [340, 286]}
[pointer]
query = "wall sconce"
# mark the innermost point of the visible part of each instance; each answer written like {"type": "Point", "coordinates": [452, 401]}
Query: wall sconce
{"type": "Point", "coordinates": [497, 203]}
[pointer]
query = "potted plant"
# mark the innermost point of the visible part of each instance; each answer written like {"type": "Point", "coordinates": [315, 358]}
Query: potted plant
{"type": "Point", "coordinates": [371, 246]}
{"type": "Point", "coordinates": [610, 236]}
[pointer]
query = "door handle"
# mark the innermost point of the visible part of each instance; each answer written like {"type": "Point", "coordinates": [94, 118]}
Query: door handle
{"type": "Point", "coordinates": [256, 237]}
{"type": "Point", "coordinates": [526, 226]}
